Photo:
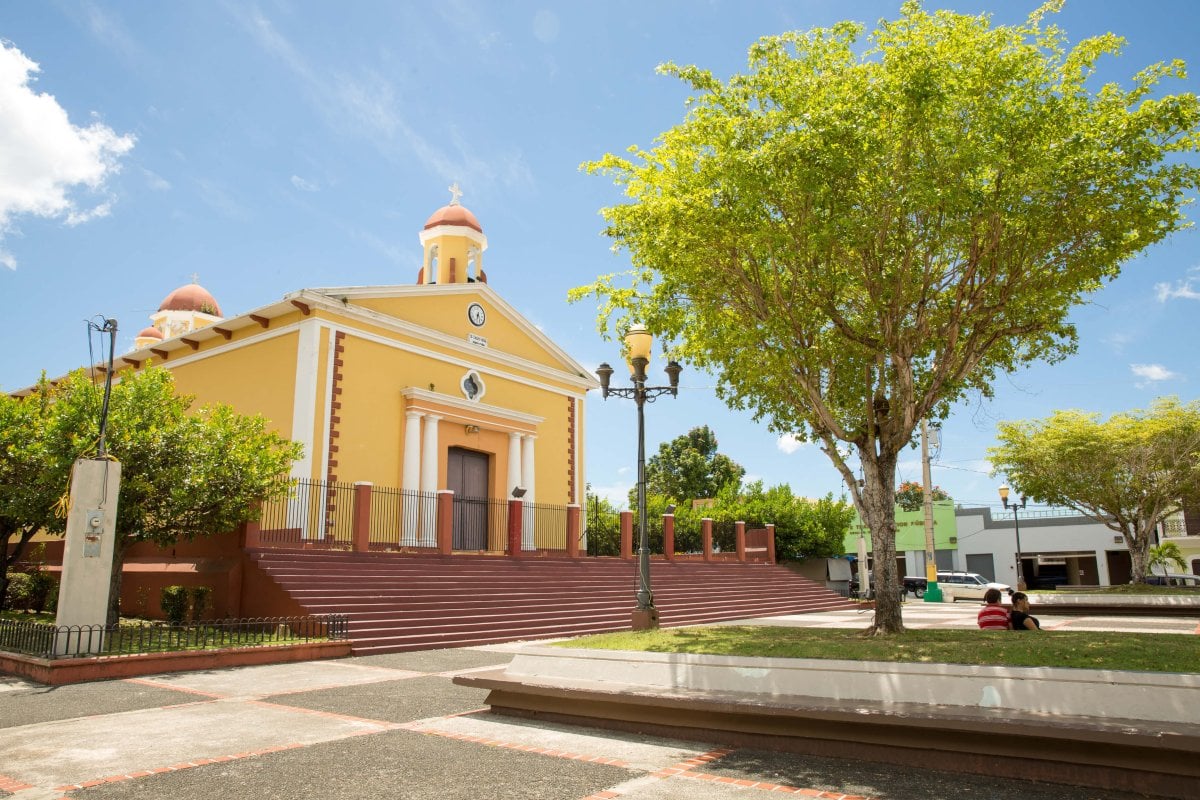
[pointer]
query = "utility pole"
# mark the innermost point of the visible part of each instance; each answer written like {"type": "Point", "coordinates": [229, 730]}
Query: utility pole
{"type": "Point", "coordinates": [932, 593]}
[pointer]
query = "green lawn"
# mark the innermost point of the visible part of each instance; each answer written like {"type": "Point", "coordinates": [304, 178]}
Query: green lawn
{"type": "Point", "coordinates": [1124, 588]}
{"type": "Point", "coordinates": [1153, 652]}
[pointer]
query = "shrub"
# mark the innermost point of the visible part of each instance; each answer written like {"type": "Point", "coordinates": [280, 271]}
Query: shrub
{"type": "Point", "coordinates": [200, 598]}
{"type": "Point", "coordinates": [175, 604]}
{"type": "Point", "coordinates": [41, 586]}
{"type": "Point", "coordinates": [17, 596]}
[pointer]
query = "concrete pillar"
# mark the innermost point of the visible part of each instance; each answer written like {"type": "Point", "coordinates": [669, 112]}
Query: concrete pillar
{"type": "Point", "coordinates": [429, 479]}
{"type": "Point", "coordinates": [627, 535]}
{"type": "Point", "coordinates": [669, 536]}
{"type": "Point", "coordinates": [83, 593]}
{"type": "Point", "coordinates": [361, 519]}
{"type": "Point", "coordinates": [410, 479]}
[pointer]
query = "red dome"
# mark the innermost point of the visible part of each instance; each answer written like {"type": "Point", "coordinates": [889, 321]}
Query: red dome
{"type": "Point", "coordinates": [453, 215]}
{"type": "Point", "coordinates": [192, 297]}
{"type": "Point", "coordinates": [150, 333]}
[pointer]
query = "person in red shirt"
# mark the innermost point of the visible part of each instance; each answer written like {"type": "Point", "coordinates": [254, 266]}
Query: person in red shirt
{"type": "Point", "coordinates": [993, 616]}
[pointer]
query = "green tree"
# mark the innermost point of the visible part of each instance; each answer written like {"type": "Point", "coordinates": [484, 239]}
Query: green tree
{"type": "Point", "coordinates": [803, 528]}
{"type": "Point", "coordinates": [853, 238]}
{"type": "Point", "coordinates": [689, 468]}
{"type": "Point", "coordinates": [31, 483]}
{"type": "Point", "coordinates": [185, 473]}
{"type": "Point", "coordinates": [910, 495]}
{"type": "Point", "coordinates": [1164, 555]}
{"type": "Point", "coordinates": [1129, 472]}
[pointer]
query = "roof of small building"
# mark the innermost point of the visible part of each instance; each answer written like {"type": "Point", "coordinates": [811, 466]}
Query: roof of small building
{"type": "Point", "coordinates": [150, 333]}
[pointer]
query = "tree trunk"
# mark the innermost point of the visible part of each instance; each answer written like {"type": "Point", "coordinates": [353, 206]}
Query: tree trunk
{"type": "Point", "coordinates": [1139, 551]}
{"type": "Point", "coordinates": [879, 514]}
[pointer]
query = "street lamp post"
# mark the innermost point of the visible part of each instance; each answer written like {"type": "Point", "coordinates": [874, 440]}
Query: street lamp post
{"type": "Point", "coordinates": [1016, 527]}
{"type": "Point", "coordinates": [638, 341]}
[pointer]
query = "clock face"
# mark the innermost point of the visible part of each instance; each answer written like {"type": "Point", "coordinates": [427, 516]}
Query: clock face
{"type": "Point", "coordinates": [476, 314]}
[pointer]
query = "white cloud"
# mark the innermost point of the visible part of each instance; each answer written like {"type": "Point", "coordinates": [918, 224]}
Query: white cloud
{"type": "Point", "coordinates": [1185, 289]}
{"type": "Point", "coordinates": [43, 157]}
{"type": "Point", "coordinates": [303, 185]}
{"type": "Point", "coordinates": [617, 494]}
{"type": "Point", "coordinates": [789, 443]}
{"type": "Point", "coordinates": [155, 181]}
{"type": "Point", "coordinates": [1152, 372]}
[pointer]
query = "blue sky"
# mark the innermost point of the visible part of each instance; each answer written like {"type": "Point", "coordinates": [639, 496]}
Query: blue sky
{"type": "Point", "coordinates": [273, 146]}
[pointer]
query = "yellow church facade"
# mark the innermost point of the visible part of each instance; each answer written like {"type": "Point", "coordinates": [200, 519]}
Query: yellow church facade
{"type": "Point", "coordinates": [432, 387]}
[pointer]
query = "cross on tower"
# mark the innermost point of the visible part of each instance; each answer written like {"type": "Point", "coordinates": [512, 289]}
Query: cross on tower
{"type": "Point", "coordinates": [195, 277]}
{"type": "Point", "coordinates": [455, 193]}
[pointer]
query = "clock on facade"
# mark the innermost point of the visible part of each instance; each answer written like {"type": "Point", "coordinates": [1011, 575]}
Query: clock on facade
{"type": "Point", "coordinates": [476, 314]}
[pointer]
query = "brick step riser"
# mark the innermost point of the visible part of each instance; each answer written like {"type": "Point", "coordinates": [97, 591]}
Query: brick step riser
{"type": "Point", "coordinates": [459, 638]}
{"type": "Point", "coordinates": [525, 593]}
{"type": "Point", "coordinates": [526, 586]}
{"type": "Point", "coordinates": [390, 605]}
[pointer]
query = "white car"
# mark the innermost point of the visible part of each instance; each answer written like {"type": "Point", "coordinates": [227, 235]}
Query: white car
{"type": "Point", "coordinates": [969, 585]}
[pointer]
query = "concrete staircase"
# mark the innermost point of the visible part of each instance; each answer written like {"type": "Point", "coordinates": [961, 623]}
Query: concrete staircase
{"type": "Point", "coordinates": [398, 602]}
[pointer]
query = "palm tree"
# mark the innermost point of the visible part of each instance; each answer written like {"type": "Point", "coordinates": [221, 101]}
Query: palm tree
{"type": "Point", "coordinates": [1162, 555]}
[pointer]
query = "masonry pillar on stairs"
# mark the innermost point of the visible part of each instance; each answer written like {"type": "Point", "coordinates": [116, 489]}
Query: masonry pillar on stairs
{"type": "Point", "coordinates": [739, 533]}
{"type": "Point", "coordinates": [627, 534]}
{"type": "Point", "coordinates": [361, 517]}
{"type": "Point", "coordinates": [770, 543]}
{"type": "Point", "coordinates": [706, 537]}
{"type": "Point", "coordinates": [515, 519]}
{"type": "Point", "coordinates": [574, 534]}
{"type": "Point", "coordinates": [445, 522]}
{"type": "Point", "coordinates": [669, 536]}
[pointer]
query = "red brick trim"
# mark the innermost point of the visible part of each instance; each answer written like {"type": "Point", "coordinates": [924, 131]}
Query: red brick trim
{"type": "Point", "coordinates": [335, 419]}
{"type": "Point", "coordinates": [570, 450]}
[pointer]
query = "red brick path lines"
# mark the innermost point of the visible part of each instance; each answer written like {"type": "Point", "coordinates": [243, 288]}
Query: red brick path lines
{"type": "Point", "coordinates": [174, 687]}
{"type": "Point", "coordinates": [525, 748]}
{"type": "Point", "coordinates": [199, 762]}
{"type": "Point", "coordinates": [8, 784]}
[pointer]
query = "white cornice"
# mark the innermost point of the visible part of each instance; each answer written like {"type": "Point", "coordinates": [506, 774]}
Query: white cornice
{"type": "Point", "coordinates": [417, 396]}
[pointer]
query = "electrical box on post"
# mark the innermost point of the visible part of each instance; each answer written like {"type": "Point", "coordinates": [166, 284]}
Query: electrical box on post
{"type": "Point", "coordinates": [93, 530]}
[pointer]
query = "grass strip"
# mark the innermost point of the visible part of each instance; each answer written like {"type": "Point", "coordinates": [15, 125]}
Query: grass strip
{"type": "Point", "coordinates": [1146, 652]}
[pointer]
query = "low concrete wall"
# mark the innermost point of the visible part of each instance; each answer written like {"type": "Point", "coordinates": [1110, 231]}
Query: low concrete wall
{"type": "Point", "coordinates": [1162, 697]}
{"type": "Point", "coordinates": [58, 672]}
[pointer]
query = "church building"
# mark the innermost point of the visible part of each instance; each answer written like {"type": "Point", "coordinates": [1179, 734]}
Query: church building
{"type": "Point", "coordinates": [426, 387]}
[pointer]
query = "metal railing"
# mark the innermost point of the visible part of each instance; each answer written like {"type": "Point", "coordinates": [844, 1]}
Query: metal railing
{"type": "Point", "coordinates": [314, 513]}
{"type": "Point", "coordinates": [44, 640]}
{"type": "Point", "coordinates": [549, 525]}
{"type": "Point", "coordinates": [480, 524]}
{"type": "Point", "coordinates": [402, 518]}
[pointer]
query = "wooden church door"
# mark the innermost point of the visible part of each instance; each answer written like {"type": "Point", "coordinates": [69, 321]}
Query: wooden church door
{"type": "Point", "coordinates": [467, 477]}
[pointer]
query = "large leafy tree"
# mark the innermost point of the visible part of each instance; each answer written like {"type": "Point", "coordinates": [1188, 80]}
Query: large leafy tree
{"type": "Point", "coordinates": [853, 238]}
{"type": "Point", "coordinates": [185, 472]}
{"type": "Point", "coordinates": [1129, 472]}
{"type": "Point", "coordinates": [689, 467]}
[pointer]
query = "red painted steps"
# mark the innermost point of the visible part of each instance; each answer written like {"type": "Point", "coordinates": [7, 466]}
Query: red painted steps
{"type": "Point", "coordinates": [400, 602]}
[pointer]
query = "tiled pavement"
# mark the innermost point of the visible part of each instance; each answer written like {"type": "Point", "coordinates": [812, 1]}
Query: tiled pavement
{"type": "Point", "coordinates": [395, 726]}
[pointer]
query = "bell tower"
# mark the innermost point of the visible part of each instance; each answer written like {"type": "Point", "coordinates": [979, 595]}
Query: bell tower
{"type": "Point", "coordinates": [453, 242]}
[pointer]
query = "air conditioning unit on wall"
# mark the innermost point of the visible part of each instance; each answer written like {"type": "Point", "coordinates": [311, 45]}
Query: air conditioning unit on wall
{"type": "Point", "coordinates": [953, 540]}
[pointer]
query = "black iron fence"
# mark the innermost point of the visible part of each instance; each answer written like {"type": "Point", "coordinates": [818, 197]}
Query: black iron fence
{"type": "Point", "coordinates": [314, 513]}
{"type": "Point", "coordinates": [603, 530]}
{"type": "Point", "coordinates": [480, 523]}
{"type": "Point", "coordinates": [44, 640]}
{"type": "Point", "coordinates": [402, 518]}
{"type": "Point", "coordinates": [549, 525]}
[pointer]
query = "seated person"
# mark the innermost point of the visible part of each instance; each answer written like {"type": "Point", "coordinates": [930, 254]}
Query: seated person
{"type": "Point", "coordinates": [1021, 620]}
{"type": "Point", "coordinates": [993, 616]}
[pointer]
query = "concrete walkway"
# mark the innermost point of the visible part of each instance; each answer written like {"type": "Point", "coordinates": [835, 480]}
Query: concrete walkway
{"type": "Point", "coordinates": [395, 726]}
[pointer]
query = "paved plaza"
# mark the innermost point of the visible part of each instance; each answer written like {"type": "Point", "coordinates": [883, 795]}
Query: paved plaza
{"type": "Point", "coordinates": [395, 726]}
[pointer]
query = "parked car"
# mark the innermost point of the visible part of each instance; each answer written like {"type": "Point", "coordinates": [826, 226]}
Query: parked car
{"type": "Point", "coordinates": [969, 585]}
{"type": "Point", "coordinates": [1174, 579]}
{"type": "Point", "coordinates": [915, 584]}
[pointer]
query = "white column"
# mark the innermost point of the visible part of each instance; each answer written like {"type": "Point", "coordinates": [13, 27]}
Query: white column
{"type": "Point", "coordinates": [515, 477]}
{"type": "Point", "coordinates": [429, 476]}
{"type": "Point", "coordinates": [528, 481]}
{"type": "Point", "coordinates": [410, 480]}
